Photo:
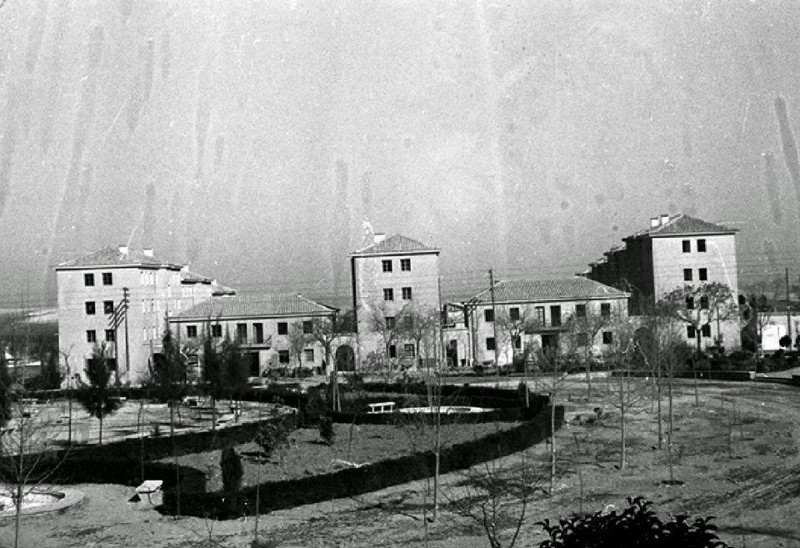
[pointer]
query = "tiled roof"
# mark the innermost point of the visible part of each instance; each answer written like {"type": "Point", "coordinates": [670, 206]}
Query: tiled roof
{"type": "Point", "coordinates": [684, 224]}
{"type": "Point", "coordinates": [189, 277]}
{"type": "Point", "coordinates": [395, 244]}
{"type": "Point", "coordinates": [111, 256]}
{"type": "Point", "coordinates": [563, 289]}
{"type": "Point", "coordinates": [256, 306]}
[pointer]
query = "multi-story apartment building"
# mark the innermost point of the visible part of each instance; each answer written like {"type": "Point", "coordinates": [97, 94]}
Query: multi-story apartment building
{"type": "Point", "coordinates": [271, 330]}
{"type": "Point", "coordinates": [122, 297]}
{"type": "Point", "coordinates": [392, 279]}
{"type": "Point", "coordinates": [565, 314]}
{"type": "Point", "coordinates": [674, 252]}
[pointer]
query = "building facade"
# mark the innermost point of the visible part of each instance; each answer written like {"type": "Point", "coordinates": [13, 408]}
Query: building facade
{"type": "Point", "coordinates": [676, 251]}
{"type": "Point", "coordinates": [395, 287]}
{"type": "Point", "coordinates": [523, 317]}
{"type": "Point", "coordinates": [120, 298]}
{"type": "Point", "coordinates": [273, 331]}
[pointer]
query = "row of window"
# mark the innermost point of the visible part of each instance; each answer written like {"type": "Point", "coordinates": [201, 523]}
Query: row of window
{"type": "Point", "coordinates": [88, 279]}
{"type": "Point", "coordinates": [391, 322]}
{"type": "Point", "coordinates": [308, 356]}
{"type": "Point", "coordinates": [702, 274]}
{"type": "Point", "coordinates": [582, 340]}
{"type": "Point", "coordinates": [705, 331]}
{"type": "Point", "coordinates": [91, 309]}
{"type": "Point", "coordinates": [91, 335]}
{"type": "Point", "coordinates": [687, 246]}
{"type": "Point", "coordinates": [242, 329]}
{"type": "Point", "coordinates": [388, 294]}
{"type": "Point", "coordinates": [555, 313]}
{"type": "Point", "coordinates": [408, 350]}
{"type": "Point", "coordinates": [405, 265]}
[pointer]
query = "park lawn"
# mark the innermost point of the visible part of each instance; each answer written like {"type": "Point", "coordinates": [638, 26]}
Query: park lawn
{"type": "Point", "coordinates": [353, 445]}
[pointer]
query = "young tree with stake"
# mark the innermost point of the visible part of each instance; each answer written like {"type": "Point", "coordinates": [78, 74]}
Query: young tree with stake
{"type": "Point", "coordinates": [97, 394]}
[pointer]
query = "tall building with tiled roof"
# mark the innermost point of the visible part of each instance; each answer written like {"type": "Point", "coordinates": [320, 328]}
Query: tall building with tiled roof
{"type": "Point", "coordinates": [519, 316]}
{"type": "Point", "coordinates": [119, 297]}
{"type": "Point", "coordinates": [391, 277]}
{"type": "Point", "coordinates": [264, 326]}
{"type": "Point", "coordinates": [674, 251]}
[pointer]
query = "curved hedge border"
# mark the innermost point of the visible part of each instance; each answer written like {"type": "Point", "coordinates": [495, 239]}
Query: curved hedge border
{"type": "Point", "coordinates": [276, 495]}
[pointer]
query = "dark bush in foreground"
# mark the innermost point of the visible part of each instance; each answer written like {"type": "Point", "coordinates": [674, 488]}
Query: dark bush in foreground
{"type": "Point", "coordinates": [636, 526]}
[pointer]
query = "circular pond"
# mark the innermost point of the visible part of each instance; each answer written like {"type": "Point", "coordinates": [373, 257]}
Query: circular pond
{"type": "Point", "coordinates": [446, 409]}
{"type": "Point", "coordinates": [39, 500]}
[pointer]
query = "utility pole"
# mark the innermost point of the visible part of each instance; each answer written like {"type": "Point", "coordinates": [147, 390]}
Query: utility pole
{"type": "Point", "coordinates": [788, 311]}
{"type": "Point", "coordinates": [494, 325]}
{"type": "Point", "coordinates": [127, 345]}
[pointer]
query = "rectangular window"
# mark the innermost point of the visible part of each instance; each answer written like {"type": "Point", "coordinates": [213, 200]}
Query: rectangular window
{"type": "Point", "coordinates": [702, 274]}
{"type": "Point", "coordinates": [408, 322]}
{"type": "Point", "coordinates": [110, 335]}
{"type": "Point", "coordinates": [605, 310]}
{"type": "Point", "coordinates": [89, 306]}
{"type": "Point", "coordinates": [308, 355]}
{"type": "Point", "coordinates": [690, 331]}
{"type": "Point", "coordinates": [687, 246]}
{"type": "Point", "coordinates": [108, 278]}
{"type": "Point", "coordinates": [283, 328]}
{"type": "Point", "coordinates": [258, 330]}
{"type": "Point", "coordinates": [91, 336]}
{"type": "Point", "coordinates": [701, 246]}
{"type": "Point", "coordinates": [706, 329]}
{"type": "Point", "coordinates": [408, 350]}
{"type": "Point", "coordinates": [216, 331]}
{"type": "Point", "coordinates": [283, 356]}
{"type": "Point", "coordinates": [390, 322]}
{"type": "Point", "coordinates": [555, 316]}
{"type": "Point", "coordinates": [241, 332]}
{"type": "Point", "coordinates": [388, 294]}
{"type": "Point", "coordinates": [539, 310]}
{"type": "Point", "coordinates": [608, 337]}
{"type": "Point", "coordinates": [517, 342]}
{"type": "Point", "coordinates": [703, 303]}
{"type": "Point", "coordinates": [88, 280]}
{"type": "Point", "coordinates": [405, 265]}
{"type": "Point", "coordinates": [513, 314]}
{"type": "Point", "coordinates": [406, 293]}
{"type": "Point", "coordinates": [387, 266]}
{"type": "Point", "coordinates": [488, 315]}
{"type": "Point", "coordinates": [111, 364]}
{"type": "Point", "coordinates": [191, 331]}
{"type": "Point", "coordinates": [582, 339]}
{"type": "Point", "coordinates": [689, 303]}
{"type": "Point", "coordinates": [392, 351]}
{"type": "Point", "coordinates": [308, 327]}
{"type": "Point", "coordinates": [580, 310]}
{"type": "Point", "coordinates": [687, 274]}
{"type": "Point", "coordinates": [108, 307]}
{"type": "Point", "coordinates": [490, 343]}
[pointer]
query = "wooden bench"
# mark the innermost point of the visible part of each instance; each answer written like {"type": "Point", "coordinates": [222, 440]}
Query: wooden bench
{"type": "Point", "coordinates": [148, 487]}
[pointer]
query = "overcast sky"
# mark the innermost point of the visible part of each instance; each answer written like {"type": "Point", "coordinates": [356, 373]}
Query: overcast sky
{"type": "Point", "coordinates": [253, 139]}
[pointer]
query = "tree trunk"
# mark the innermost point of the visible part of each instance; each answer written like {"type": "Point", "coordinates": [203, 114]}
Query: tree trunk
{"type": "Point", "coordinates": [213, 413]}
{"type": "Point", "coordinates": [437, 450]}
{"type": "Point", "coordinates": [101, 429]}
{"type": "Point", "coordinates": [552, 442]}
{"type": "Point", "coordinates": [20, 487]}
{"type": "Point", "coordinates": [658, 413]}
{"type": "Point", "coordinates": [588, 377]}
{"type": "Point", "coordinates": [669, 431]}
{"type": "Point", "coordinates": [694, 371]}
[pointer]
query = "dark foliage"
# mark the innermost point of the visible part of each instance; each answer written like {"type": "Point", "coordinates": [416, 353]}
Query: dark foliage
{"type": "Point", "coordinates": [326, 431]}
{"type": "Point", "coordinates": [97, 395]}
{"type": "Point", "coordinates": [231, 464]}
{"type": "Point", "coordinates": [235, 373]}
{"type": "Point", "coordinates": [636, 526]}
{"type": "Point", "coordinates": [5, 390]}
{"type": "Point", "coordinates": [274, 436]}
{"type": "Point", "coordinates": [168, 375]}
{"type": "Point", "coordinates": [213, 376]}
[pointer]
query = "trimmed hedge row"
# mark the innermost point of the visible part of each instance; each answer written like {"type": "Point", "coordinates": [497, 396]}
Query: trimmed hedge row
{"type": "Point", "coordinates": [355, 481]}
{"type": "Point", "coordinates": [185, 443]}
{"type": "Point", "coordinates": [511, 414]}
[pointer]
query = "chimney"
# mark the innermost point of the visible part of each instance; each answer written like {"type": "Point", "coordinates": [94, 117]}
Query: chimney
{"type": "Point", "coordinates": [664, 218]}
{"type": "Point", "coordinates": [653, 222]}
{"type": "Point", "coordinates": [123, 249]}
{"type": "Point", "coordinates": [378, 237]}
{"type": "Point", "coordinates": [148, 251]}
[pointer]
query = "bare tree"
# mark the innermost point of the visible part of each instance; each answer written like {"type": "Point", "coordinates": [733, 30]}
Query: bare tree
{"type": "Point", "coordinates": [697, 307]}
{"type": "Point", "coordinates": [586, 324]}
{"type": "Point", "coordinates": [298, 340]}
{"type": "Point", "coordinates": [513, 323]}
{"type": "Point", "coordinates": [326, 331]}
{"type": "Point", "coordinates": [421, 325]}
{"type": "Point", "coordinates": [389, 325]}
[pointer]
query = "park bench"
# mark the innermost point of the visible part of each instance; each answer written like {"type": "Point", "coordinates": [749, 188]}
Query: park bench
{"type": "Point", "coordinates": [380, 407]}
{"type": "Point", "coordinates": [147, 487]}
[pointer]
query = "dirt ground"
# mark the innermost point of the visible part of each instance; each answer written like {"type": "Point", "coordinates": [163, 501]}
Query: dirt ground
{"type": "Point", "coordinates": [738, 464]}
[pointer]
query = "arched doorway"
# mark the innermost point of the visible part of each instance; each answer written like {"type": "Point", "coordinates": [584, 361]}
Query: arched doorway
{"type": "Point", "coordinates": [345, 358]}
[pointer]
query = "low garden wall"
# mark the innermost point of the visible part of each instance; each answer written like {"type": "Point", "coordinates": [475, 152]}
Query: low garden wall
{"type": "Point", "coordinates": [349, 482]}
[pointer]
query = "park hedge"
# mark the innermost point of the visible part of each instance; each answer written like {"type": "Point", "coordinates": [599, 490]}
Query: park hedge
{"type": "Point", "coordinates": [275, 495]}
